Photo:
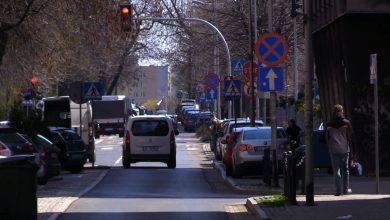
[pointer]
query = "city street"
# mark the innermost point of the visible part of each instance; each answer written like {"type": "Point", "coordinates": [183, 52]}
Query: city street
{"type": "Point", "coordinates": [151, 190]}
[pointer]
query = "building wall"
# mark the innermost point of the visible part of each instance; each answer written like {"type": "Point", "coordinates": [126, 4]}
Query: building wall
{"type": "Point", "coordinates": [342, 45]}
{"type": "Point", "coordinates": [152, 83]}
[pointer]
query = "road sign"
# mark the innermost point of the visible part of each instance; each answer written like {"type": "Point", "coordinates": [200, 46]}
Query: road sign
{"type": "Point", "coordinates": [212, 93]}
{"type": "Point", "coordinates": [238, 64]}
{"type": "Point", "coordinates": [246, 70]}
{"type": "Point", "coordinates": [270, 79]}
{"type": "Point", "coordinates": [232, 89]}
{"type": "Point", "coordinates": [271, 49]}
{"type": "Point", "coordinates": [246, 89]}
{"type": "Point", "coordinates": [92, 91]}
{"type": "Point", "coordinates": [211, 80]}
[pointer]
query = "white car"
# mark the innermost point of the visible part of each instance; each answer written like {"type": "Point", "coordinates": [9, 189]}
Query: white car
{"type": "Point", "coordinates": [149, 138]}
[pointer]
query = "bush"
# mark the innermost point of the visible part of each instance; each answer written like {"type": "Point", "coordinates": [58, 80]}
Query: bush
{"type": "Point", "coordinates": [203, 133]}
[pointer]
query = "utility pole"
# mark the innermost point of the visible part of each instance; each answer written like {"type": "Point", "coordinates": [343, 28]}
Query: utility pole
{"type": "Point", "coordinates": [309, 182]}
{"type": "Point", "coordinates": [250, 58]}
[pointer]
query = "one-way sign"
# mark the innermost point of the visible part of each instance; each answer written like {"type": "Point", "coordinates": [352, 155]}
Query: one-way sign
{"type": "Point", "coordinates": [270, 79]}
{"type": "Point", "coordinates": [232, 89]}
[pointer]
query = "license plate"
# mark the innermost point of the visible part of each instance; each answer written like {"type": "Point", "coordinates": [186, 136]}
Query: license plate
{"type": "Point", "coordinates": [109, 129]}
{"type": "Point", "coordinates": [150, 148]}
{"type": "Point", "coordinates": [259, 148]}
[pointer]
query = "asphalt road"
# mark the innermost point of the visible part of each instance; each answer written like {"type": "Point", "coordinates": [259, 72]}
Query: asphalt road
{"type": "Point", "coordinates": [151, 190]}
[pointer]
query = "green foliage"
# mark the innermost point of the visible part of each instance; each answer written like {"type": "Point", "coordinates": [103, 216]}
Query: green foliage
{"type": "Point", "coordinates": [30, 124]}
{"type": "Point", "coordinates": [276, 200]}
{"type": "Point", "coordinates": [150, 104]}
{"type": "Point", "coordinates": [203, 132]}
{"type": "Point", "coordinates": [300, 107]}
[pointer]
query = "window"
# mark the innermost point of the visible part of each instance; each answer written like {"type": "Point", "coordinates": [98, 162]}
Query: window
{"type": "Point", "coordinates": [257, 134]}
{"type": "Point", "coordinates": [150, 128]}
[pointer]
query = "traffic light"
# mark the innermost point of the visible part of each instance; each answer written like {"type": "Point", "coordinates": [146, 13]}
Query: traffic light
{"type": "Point", "coordinates": [228, 78]}
{"type": "Point", "coordinates": [295, 8]}
{"type": "Point", "coordinates": [126, 16]}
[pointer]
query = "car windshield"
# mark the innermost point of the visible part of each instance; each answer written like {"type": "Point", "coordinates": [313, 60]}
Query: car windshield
{"type": "Point", "coordinates": [70, 136]}
{"type": "Point", "coordinates": [257, 134]}
{"type": "Point", "coordinates": [150, 128]}
{"type": "Point", "coordinates": [11, 137]}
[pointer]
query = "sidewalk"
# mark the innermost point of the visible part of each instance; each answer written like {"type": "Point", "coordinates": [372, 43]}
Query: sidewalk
{"type": "Point", "coordinates": [363, 203]}
{"type": "Point", "coordinates": [58, 194]}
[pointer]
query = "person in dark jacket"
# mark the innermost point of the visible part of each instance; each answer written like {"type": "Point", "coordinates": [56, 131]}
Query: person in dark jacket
{"type": "Point", "coordinates": [338, 133]}
{"type": "Point", "coordinates": [293, 131]}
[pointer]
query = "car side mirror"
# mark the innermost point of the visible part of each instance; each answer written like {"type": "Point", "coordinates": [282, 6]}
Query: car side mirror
{"type": "Point", "coordinates": [176, 132]}
{"type": "Point", "coordinates": [223, 141]}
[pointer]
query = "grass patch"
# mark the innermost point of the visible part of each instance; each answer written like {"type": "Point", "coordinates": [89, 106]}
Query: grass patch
{"type": "Point", "coordinates": [276, 200]}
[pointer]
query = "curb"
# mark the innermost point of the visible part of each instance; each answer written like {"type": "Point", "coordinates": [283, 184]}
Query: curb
{"type": "Point", "coordinates": [255, 209]}
{"type": "Point", "coordinates": [66, 204]}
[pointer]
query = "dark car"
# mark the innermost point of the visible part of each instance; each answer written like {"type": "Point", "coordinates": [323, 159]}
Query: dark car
{"type": "Point", "coordinates": [73, 153]}
{"type": "Point", "coordinates": [12, 144]}
{"type": "Point", "coordinates": [48, 154]}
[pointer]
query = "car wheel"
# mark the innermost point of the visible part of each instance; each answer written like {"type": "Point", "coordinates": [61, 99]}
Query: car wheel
{"type": "Point", "coordinates": [121, 134]}
{"type": "Point", "coordinates": [97, 136]}
{"type": "Point", "coordinates": [229, 170]}
{"type": "Point", "coordinates": [172, 162]}
{"type": "Point", "coordinates": [125, 162]}
{"type": "Point", "coordinates": [219, 154]}
{"type": "Point", "coordinates": [43, 180]}
{"type": "Point", "coordinates": [76, 169]}
{"type": "Point", "coordinates": [236, 173]}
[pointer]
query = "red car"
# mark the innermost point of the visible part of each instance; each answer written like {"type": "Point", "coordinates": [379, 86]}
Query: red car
{"type": "Point", "coordinates": [230, 143]}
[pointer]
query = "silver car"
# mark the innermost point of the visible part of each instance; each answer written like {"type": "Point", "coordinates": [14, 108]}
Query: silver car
{"type": "Point", "coordinates": [149, 138]}
{"type": "Point", "coordinates": [249, 149]}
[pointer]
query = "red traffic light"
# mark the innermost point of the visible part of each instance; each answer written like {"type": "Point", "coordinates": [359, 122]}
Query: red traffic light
{"type": "Point", "coordinates": [34, 80]}
{"type": "Point", "coordinates": [125, 10]}
{"type": "Point", "coordinates": [228, 78]}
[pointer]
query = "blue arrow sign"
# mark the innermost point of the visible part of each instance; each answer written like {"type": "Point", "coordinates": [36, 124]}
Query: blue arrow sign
{"type": "Point", "coordinates": [212, 93]}
{"type": "Point", "coordinates": [270, 79]}
{"type": "Point", "coordinates": [237, 65]}
{"type": "Point", "coordinates": [92, 90]}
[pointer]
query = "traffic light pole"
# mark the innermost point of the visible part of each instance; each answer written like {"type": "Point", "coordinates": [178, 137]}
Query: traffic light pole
{"type": "Point", "coordinates": [228, 59]}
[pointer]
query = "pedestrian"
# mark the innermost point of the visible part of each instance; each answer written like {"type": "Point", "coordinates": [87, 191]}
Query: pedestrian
{"type": "Point", "coordinates": [213, 133]}
{"type": "Point", "coordinates": [338, 134]}
{"type": "Point", "coordinates": [293, 131]}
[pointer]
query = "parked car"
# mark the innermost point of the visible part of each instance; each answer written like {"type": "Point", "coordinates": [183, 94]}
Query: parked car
{"type": "Point", "coordinates": [230, 142]}
{"type": "Point", "coordinates": [227, 128]}
{"type": "Point", "coordinates": [249, 149]}
{"type": "Point", "coordinates": [190, 121]}
{"type": "Point", "coordinates": [12, 143]}
{"type": "Point", "coordinates": [149, 138]}
{"type": "Point", "coordinates": [48, 154]}
{"type": "Point", "coordinates": [73, 153]}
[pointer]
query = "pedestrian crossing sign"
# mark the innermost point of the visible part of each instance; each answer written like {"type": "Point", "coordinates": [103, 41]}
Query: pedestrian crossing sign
{"type": "Point", "coordinates": [92, 91]}
{"type": "Point", "coordinates": [232, 89]}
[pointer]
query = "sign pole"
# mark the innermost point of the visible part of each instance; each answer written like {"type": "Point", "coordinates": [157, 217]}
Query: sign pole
{"type": "Point", "coordinates": [374, 80]}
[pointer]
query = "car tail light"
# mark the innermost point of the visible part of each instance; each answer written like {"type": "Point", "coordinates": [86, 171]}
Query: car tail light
{"type": "Point", "coordinates": [284, 146]}
{"type": "Point", "coordinates": [245, 147]}
{"type": "Point", "coordinates": [5, 151]}
{"type": "Point", "coordinates": [120, 129]}
{"type": "Point", "coordinates": [127, 141]}
{"type": "Point", "coordinates": [172, 137]}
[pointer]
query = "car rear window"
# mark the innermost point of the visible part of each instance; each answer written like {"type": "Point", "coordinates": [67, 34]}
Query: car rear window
{"type": "Point", "coordinates": [257, 134]}
{"type": "Point", "coordinates": [241, 125]}
{"type": "Point", "coordinates": [70, 136]}
{"type": "Point", "coordinates": [11, 137]}
{"type": "Point", "coordinates": [150, 128]}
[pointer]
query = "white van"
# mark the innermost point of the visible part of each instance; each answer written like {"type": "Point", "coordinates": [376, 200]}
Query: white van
{"type": "Point", "coordinates": [149, 138]}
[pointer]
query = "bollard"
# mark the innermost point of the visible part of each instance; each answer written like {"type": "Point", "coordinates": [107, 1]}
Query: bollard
{"type": "Point", "coordinates": [275, 177]}
{"type": "Point", "coordinates": [289, 178]}
{"type": "Point", "coordinates": [293, 187]}
{"type": "Point", "coordinates": [267, 167]}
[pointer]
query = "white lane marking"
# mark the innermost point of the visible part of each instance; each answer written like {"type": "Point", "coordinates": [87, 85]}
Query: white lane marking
{"type": "Point", "coordinates": [106, 148]}
{"type": "Point", "coordinates": [119, 160]}
{"type": "Point", "coordinates": [192, 148]}
{"type": "Point", "coordinates": [98, 141]}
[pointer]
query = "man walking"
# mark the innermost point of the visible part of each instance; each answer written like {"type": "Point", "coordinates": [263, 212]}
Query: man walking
{"type": "Point", "coordinates": [214, 133]}
{"type": "Point", "coordinates": [338, 137]}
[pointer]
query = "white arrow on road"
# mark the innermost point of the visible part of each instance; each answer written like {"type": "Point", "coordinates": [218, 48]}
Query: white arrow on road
{"type": "Point", "coordinates": [271, 76]}
{"type": "Point", "coordinates": [212, 93]}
